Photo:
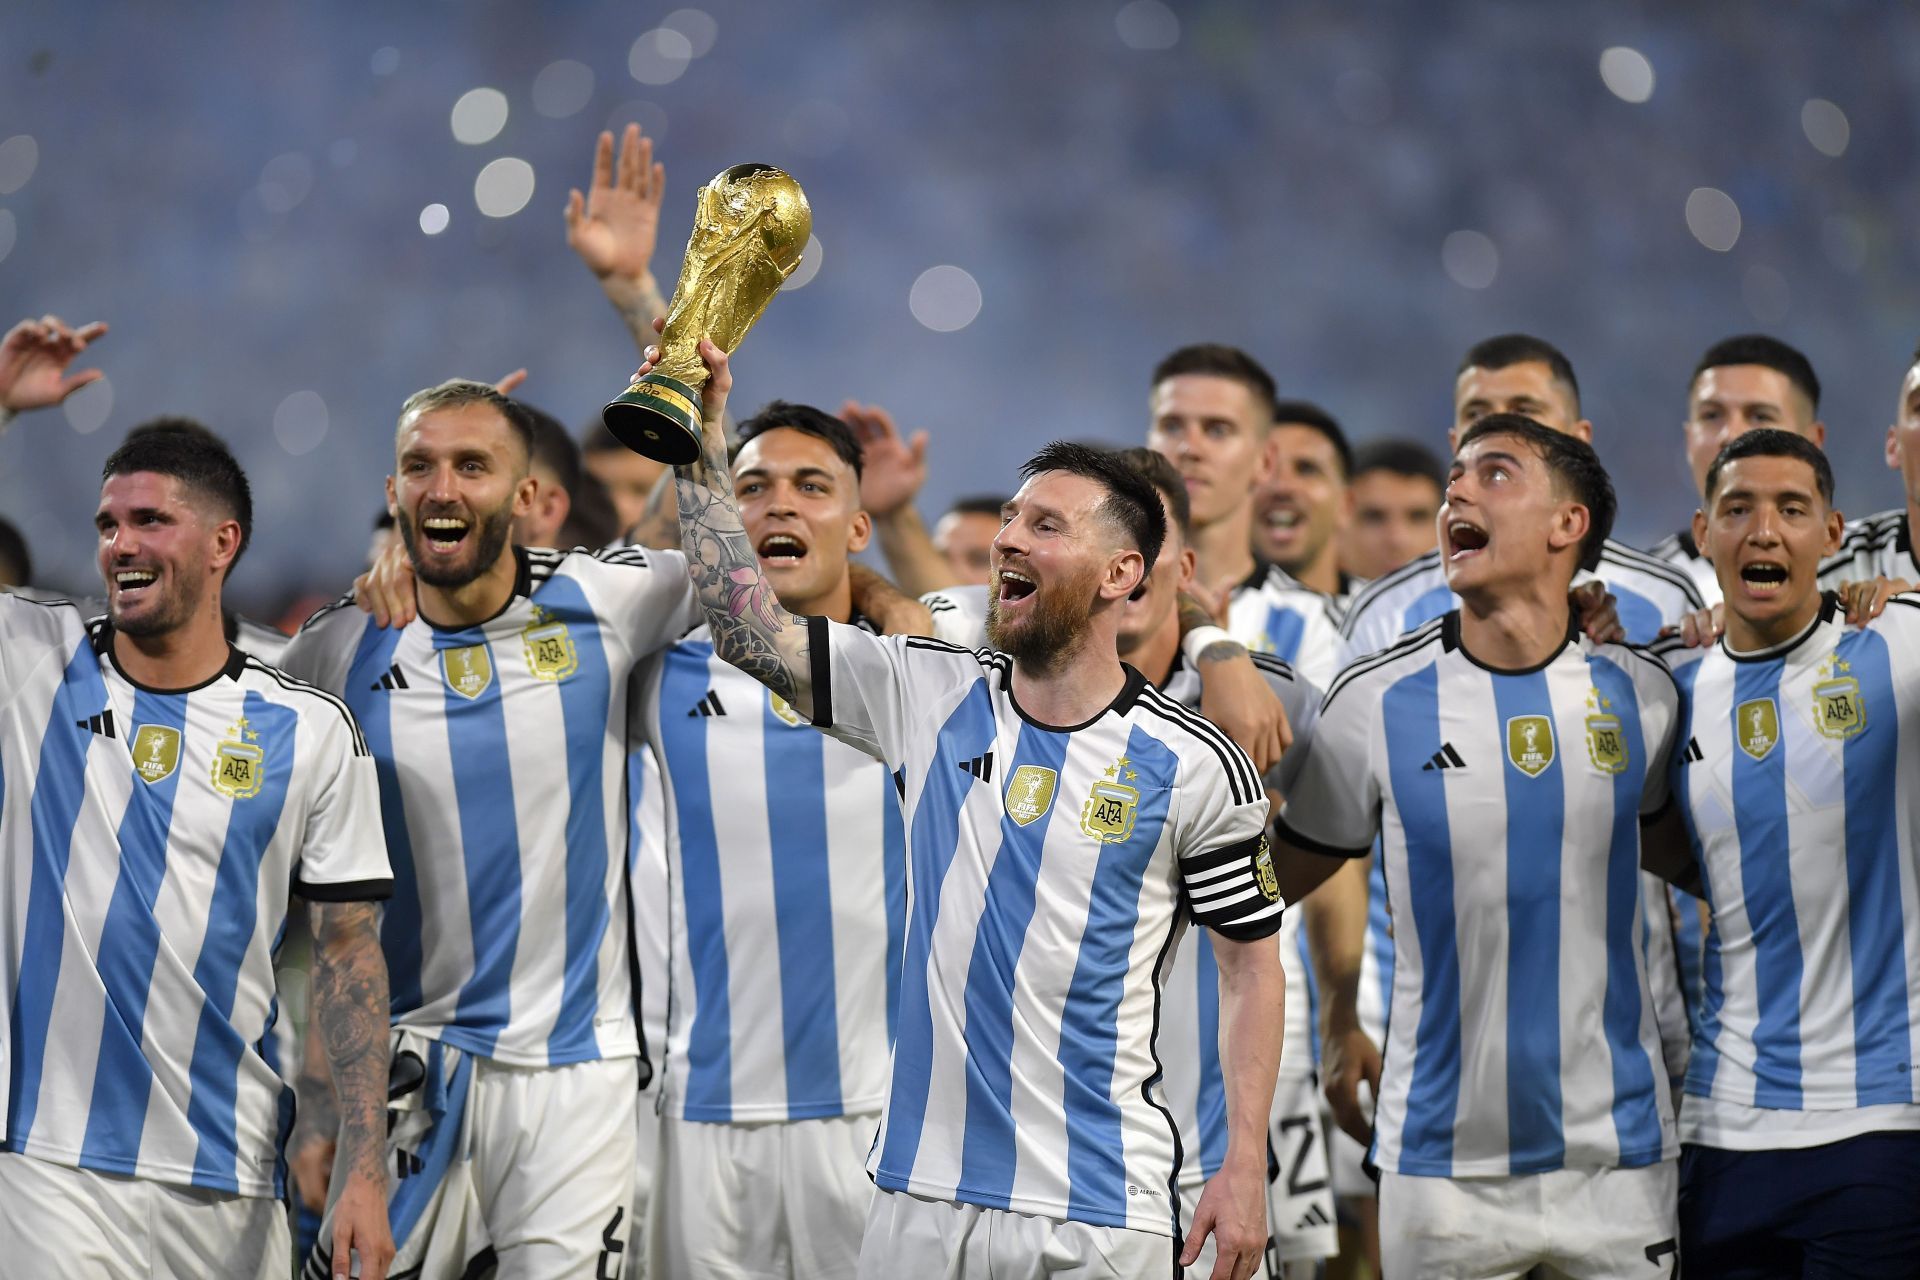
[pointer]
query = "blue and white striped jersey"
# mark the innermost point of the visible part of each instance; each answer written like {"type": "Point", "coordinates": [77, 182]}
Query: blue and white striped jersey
{"type": "Point", "coordinates": [1875, 547]}
{"type": "Point", "coordinates": [1051, 872]}
{"type": "Point", "coordinates": [1190, 1027]}
{"type": "Point", "coordinates": [149, 841]}
{"type": "Point", "coordinates": [1522, 1035]}
{"type": "Point", "coordinates": [502, 752]}
{"type": "Point", "coordinates": [647, 888]}
{"type": "Point", "coordinates": [1273, 613]}
{"type": "Point", "coordinates": [1805, 818]}
{"type": "Point", "coordinates": [1650, 594]}
{"type": "Point", "coordinates": [1680, 551]}
{"type": "Point", "coordinates": [787, 872]}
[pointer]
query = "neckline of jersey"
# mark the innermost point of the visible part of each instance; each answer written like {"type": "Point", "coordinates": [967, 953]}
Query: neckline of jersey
{"type": "Point", "coordinates": [1121, 704]}
{"type": "Point", "coordinates": [1450, 639]}
{"type": "Point", "coordinates": [522, 589]}
{"type": "Point", "coordinates": [1829, 605]}
{"type": "Point", "coordinates": [102, 641]}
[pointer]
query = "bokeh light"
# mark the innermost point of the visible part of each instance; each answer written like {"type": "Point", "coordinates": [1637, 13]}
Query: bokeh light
{"type": "Point", "coordinates": [1470, 259]}
{"type": "Point", "coordinates": [659, 56]}
{"type": "Point", "coordinates": [1627, 74]}
{"type": "Point", "coordinates": [698, 26]}
{"type": "Point", "coordinates": [434, 219]}
{"type": "Point", "coordinates": [88, 409]}
{"type": "Point", "coordinates": [944, 299]}
{"type": "Point", "coordinates": [300, 423]}
{"type": "Point", "coordinates": [562, 89]}
{"type": "Point", "coordinates": [503, 187]}
{"type": "Point", "coordinates": [1147, 25]}
{"type": "Point", "coordinates": [1713, 218]}
{"type": "Point", "coordinates": [809, 267]}
{"type": "Point", "coordinates": [1826, 127]}
{"type": "Point", "coordinates": [19, 157]}
{"type": "Point", "coordinates": [479, 115]}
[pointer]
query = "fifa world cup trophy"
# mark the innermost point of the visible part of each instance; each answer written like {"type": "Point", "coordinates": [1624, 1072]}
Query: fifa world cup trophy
{"type": "Point", "coordinates": [749, 229]}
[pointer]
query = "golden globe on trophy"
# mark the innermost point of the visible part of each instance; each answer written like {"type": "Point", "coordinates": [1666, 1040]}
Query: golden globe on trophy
{"type": "Point", "coordinates": [749, 229]}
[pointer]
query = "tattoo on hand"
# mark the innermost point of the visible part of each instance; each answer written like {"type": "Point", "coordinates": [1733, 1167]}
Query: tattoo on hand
{"type": "Point", "coordinates": [350, 1016]}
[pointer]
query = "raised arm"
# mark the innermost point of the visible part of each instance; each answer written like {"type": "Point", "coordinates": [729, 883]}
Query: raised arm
{"type": "Point", "coordinates": [613, 228]}
{"type": "Point", "coordinates": [892, 471]}
{"type": "Point", "coordinates": [750, 628]}
{"type": "Point", "coordinates": [34, 358]}
{"type": "Point", "coordinates": [350, 1018]}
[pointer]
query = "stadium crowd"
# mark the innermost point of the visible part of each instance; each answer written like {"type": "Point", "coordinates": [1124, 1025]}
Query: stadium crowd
{"type": "Point", "coordinates": [1241, 854]}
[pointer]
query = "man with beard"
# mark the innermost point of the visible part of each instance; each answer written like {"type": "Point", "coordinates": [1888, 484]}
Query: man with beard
{"type": "Point", "coordinates": [1039, 790]}
{"type": "Point", "coordinates": [786, 891]}
{"type": "Point", "coordinates": [1802, 1116]}
{"type": "Point", "coordinates": [1300, 512]}
{"type": "Point", "coordinates": [497, 718]}
{"type": "Point", "coordinates": [165, 794]}
{"type": "Point", "coordinates": [1396, 490]}
{"type": "Point", "coordinates": [1505, 762]}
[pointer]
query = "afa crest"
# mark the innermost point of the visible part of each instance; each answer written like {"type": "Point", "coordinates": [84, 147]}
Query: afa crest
{"type": "Point", "coordinates": [239, 765]}
{"type": "Point", "coordinates": [1756, 727]}
{"type": "Point", "coordinates": [550, 652]}
{"type": "Point", "coordinates": [783, 710]}
{"type": "Point", "coordinates": [1837, 709]}
{"type": "Point", "coordinates": [1030, 793]}
{"type": "Point", "coordinates": [1263, 873]}
{"type": "Point", "coordinates": [1606, 746]}
{"type": "Point", "coordinates": [468, 670]}
{"type": "Point", "coordinates": [1530, 744]}
{"type": "Point", "coordinates": [156, 752]}
{"type": "Point", "coordinates": [1107, 815]}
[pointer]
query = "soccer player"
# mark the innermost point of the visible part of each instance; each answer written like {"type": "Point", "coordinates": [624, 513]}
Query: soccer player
{"type": "Point", "coordinates": [16, 563]}
{"type": "Point", "coordinates": [964, 535]}
{"type": "Point", "coordinates": [1519, 374]}
{"type": "Point", "coordinates": [1396, 490]}
{"type": "Point", "coordinates": [1802, 1118]}
{"type": "Point", "coordinates": [498, 719]}
{"type": "Point", "coordinates": [1212, 413]}
{"type": "Point", "coordinates": [1301, 509]}
{"type": "Point", "coordinates": [164, 795]}
{"type": "Point", "coordinates": [1505, 760]}
{"type": "Point", "coordinates": [1741, 384]}
{"type": "Point", "coordinates": [786, 885]}
{"type": "Point", "coordinates": [1039, 783]}
{"type": "Point", "coordinates": [1882, 546]}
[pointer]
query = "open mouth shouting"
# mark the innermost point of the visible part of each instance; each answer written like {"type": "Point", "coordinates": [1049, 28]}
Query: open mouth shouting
{"type": "Point", "coordinates": [1763, 579]}
{"type": "Point", "coordinates": [444, 534]}
{"type": "Point", "coordinates": [1011, 587]}
{"type": "Point", "coordinates": [1465, 540]}
{"type": "Point", "coordinates": [781, 550]}
{"type": "Point", "coordinates": [131, 585]}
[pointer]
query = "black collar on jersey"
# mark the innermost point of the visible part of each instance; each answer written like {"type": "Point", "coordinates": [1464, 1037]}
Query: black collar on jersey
{"type": "Point", "coordinates": [522, 588]}
{"type": "Point", "coordinates": [1903, 540]}
{"type": "Point", "coordinates": [1255, 580]}
{"type": "Point", "coordinates": [1121, 704]}
{"type": "Point", "coordinates": [100, 632]}
{"type": "Point", "coordinates": [1450, 639]}
{"type": "Point", "coordinates": [1829, 606]}
{"type": "Point", "coordinates": [1685, 540]}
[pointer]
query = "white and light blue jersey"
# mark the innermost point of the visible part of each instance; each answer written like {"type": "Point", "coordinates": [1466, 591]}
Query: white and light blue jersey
{"type": "Point", "coordinates": [1522, 1035]}
{"type": "Point", "coordinates": [1051, 872]}
{"type": "Point", "coordinates": [1190, 1026]}
{"type": "Point", "coordinates": [1273, 613]}
{"type": "Point", "coordinates": [1800, 784]}
{"type": "Point", "coordinates": [1683, 553]}
{"type": "Point", "coordinates": [1649, 594]}
{"type": "Point", "coordinates": [647, 889]}
{"type": "Point", "coordinates": [787, 873]}
{"type": "Point", "coordinates": [1879, 546]}
{"type": "Point", "coordinates": [502, 752]}
{"type": "Point", "coordinates": [149, 841]}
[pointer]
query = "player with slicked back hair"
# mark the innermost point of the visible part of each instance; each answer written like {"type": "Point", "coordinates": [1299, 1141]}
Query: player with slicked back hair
{"type": "Point", "coordinates": [1882, 545]}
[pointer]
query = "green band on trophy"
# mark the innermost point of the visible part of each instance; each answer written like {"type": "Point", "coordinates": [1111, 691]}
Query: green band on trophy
{"type": "Point", "coordinates": [659, 417]}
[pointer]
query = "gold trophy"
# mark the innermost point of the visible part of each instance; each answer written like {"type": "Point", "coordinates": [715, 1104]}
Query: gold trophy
{"type": "Point", "coordinates": [748, 232]}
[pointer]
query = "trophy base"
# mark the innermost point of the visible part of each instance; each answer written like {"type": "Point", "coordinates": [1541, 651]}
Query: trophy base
{"type": "Point", "coordinates": [657, 417]}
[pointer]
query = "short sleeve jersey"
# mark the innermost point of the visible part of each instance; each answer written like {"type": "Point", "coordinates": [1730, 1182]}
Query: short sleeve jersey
{"type": "Point", "coordinates": [1051, 872]}
{"type": "Point", "coordinates": [1798, 784]}
{"type": "Point", "coordinates": [502, 754]}
{"type": "Point", "coordinates": [149, 841]}
{"type": "Point", "coordinates": [1877, 547]}
{"type": "Point", "coordinates": [1272, 612]}
{"type": "Point", "coordinates": [1522, 1035]}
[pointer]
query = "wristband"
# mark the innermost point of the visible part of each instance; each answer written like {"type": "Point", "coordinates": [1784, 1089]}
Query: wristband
{"type": "Point", "coordinates": [1200, 639]}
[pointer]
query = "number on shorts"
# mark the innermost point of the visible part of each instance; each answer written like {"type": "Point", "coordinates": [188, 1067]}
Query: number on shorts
{"type": "Point", "coordinates": [1666, 1247]}
{"type": "Point", "coordinates": [611, 1247]}
{"type": "Point", "coordinates": [1295, 1187]}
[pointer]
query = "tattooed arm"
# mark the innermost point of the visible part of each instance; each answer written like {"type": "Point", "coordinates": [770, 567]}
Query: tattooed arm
{"type": "Point", "coordinates": [350, 1018]}
{"type": "Point", "coordinates": [750, 628]}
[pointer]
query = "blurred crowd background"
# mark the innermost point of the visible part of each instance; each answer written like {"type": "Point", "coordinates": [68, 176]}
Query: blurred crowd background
{"type": "Point", "coordinates": [294, 215]}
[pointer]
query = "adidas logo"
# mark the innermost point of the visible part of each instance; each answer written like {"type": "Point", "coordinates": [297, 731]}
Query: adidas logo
{"type": "Point", "coordinates": [1693, 750]}
{"type": "Point", "coordinates": [708, 706]}
{"type": "Point", "coordinates": [1445, 758]}
{"type": "Point", "coordinates": [101, 724]}
{"type": "Point", "coordinates": [392, 680]}
{"type": "Point", "coordinates": [1315, 1216]}
{"type": "Point", "coordinates": [406, 1163]}
{"type": "Point", "coordinates": [981, 766]}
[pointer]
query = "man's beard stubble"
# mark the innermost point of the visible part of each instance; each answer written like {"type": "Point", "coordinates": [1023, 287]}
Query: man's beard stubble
{"type": "Point", "coordinates": [1055, 630]}
{"type": "Point", "coordinates": [489, 534]}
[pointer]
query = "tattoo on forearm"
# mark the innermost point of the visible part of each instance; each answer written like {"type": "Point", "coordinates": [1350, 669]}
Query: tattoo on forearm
{"type": "Point", "coordinates": [350, 1015]}
{"type": "Point", "coordinates": [1193, 614]}
{"type": "Point", "coordinates": [750, 628]}
{"type": "Point", "coordinates": [1223, 651]}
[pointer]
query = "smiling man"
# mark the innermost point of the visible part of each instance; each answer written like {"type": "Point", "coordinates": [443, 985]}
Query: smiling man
{"type": "Point", "coordinates": [498, 720]}
{"type": "Point", "coordinates": [786, 889]}
{"type": "Point", "coordinates": [1504, 760]}
{"type": "Point", "coordinates": [164, 796]}
{"type": "Point", "coordinates": [1802, 1116]}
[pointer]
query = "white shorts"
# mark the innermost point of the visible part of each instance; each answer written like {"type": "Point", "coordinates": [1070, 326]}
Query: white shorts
{"type": "Point", "coordinates": [1584, 1224]}
{"type": "Point", "coordinates": [1299, 1185]}
{"type": "Point", "coordinates": [530, 1166]}
{"type": "Point", "coordinates": [1345, 1157]}
{"type": "Point", "coordinates": [912, 1238]}
{"type": "Point", "coordinates": [778, 1200]}
{"type": "Point", "coordinates": [62, 1223]}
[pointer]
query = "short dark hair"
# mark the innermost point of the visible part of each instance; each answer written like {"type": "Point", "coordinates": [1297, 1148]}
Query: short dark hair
{"type": "Point", "coordinates": [1164, 477]}
{"type": "Point", "coordinates": [807, 420]}
{"type": "Point", "coordinates": [1402, 458]}
{"type": "Point", "coordinates": [1575, 468]}
{"type": "Point", "coordinates": [16, 565]}
{"type": "Point", "coordinates": [1768, 352]}
{"type": "Point", "coordinates": [553, 447]}
{"type": "Point", "coordinates": [1771, 442]}
{"type": "Point", "coordinates": [1220, 361]}
{"type": "Point", "coordinates": [595, 438]}
{"type": "Point", "coordinates": [1508, 349]}
{"type": "Point", "coordinates": [976, 504]}
{"type": "Point", "coordinates": [1305, 413]}
{"type": "Point", "coordinates": [455, 392]}
{"type": "Point", "coordinates": [195, 456]}
{"type": "Point", "coordinates": [591, 518]}
{"type": "Point", "coordinates": [1131, 501]}
{"type": "Point", "coordinates": [384, 520]}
